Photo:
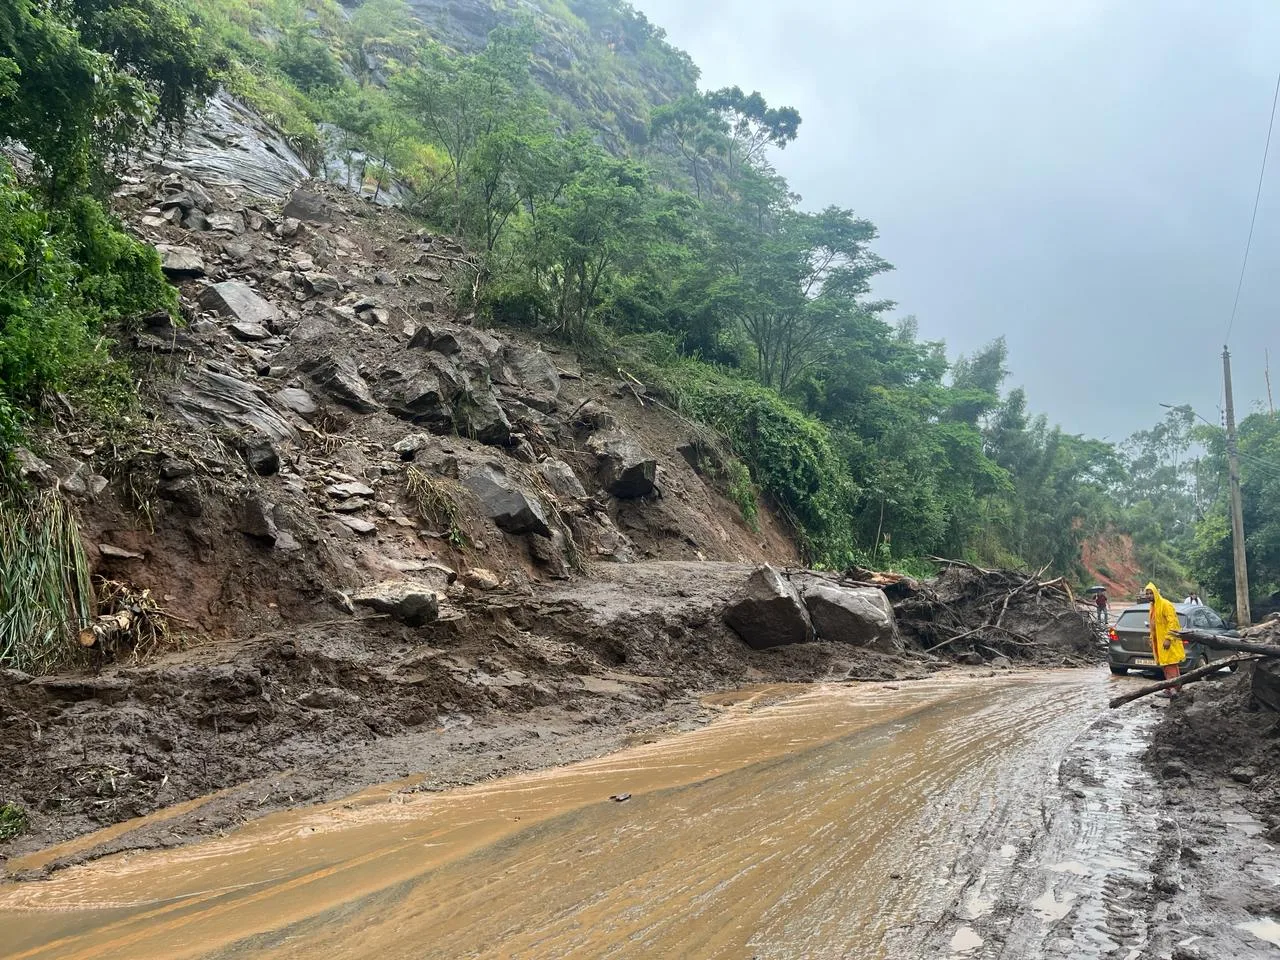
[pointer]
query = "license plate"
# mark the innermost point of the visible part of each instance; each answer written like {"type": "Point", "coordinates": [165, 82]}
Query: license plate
{"type": "Point", "coordinates": [1144, 662]}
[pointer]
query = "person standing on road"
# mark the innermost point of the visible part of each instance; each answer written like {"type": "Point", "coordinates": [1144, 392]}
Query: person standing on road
{"type": "Point", "coordinates": [1103, 605]}
{"type": "Point", "coordinates": [1166, 645]}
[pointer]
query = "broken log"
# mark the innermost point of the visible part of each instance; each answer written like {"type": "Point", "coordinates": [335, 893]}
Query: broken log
{"type": "Point", "coordinates": [1227, 643]}
{"type": "Point", "coordinates": [1189, 677]}
{"type": "Point", "coordinates": [106, 629]}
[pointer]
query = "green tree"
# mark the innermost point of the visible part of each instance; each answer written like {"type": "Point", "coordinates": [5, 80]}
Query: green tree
{"type": "Point", "coordinates": [82, 80]}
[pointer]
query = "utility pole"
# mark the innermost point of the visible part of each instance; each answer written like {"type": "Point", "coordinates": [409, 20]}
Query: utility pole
{"type": "Point", "coordinates": [1243, 617]}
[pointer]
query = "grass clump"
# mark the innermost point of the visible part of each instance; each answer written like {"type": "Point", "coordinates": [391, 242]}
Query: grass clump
{"type": "Point", "coordinates": [45, 593]}
{"type": "Point", "coordinates": [436, 500]}
{"type": "Point", "coordinates": [13, 821]}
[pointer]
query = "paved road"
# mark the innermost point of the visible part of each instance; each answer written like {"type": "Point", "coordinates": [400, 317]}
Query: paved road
{"type": "Point", "coordinates": [967, 817]}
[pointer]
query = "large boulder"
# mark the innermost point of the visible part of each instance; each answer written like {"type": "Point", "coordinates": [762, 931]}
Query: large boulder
{"type": "Point", "coordinates": [415, 604]}
{"type": "Point", "coordinates": [561, 479]}
{"type": "Point", "coordinates": [208, 398]}
{"type": "Point", "coordinates": [861, 616]}
{"type": "Point", "coordinates": [342, 381]}
{"type": "Point", "coordinates": [308, 205]}
{"type": "Point", "coordinates": [769, 612]}
{"type": "Point", "coordinates": [180, 263]}
{"type": "Point", "coordinates": [238, 302]}
{"type": "Point", "coordinates": [534, 371]}
{"type": "Point", "coordinates": [478, 414]}
{"type": "Point", "coordinates": [503, 502]}
{"type": "Point", "coordinates": [626, 470]}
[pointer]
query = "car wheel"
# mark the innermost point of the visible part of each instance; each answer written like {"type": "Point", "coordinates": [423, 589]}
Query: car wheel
{"type": "Point", "coordinates": [1119, 670]}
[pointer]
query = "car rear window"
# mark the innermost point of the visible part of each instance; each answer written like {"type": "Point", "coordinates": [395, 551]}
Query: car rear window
{"type": "Point", "coordinates": [1137, 620]}
{"type": "Point", "coordinates": [1133, 619]}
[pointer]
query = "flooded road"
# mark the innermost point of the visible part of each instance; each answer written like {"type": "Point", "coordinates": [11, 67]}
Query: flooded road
{"type": "Point", "coordinates": [951, 817]}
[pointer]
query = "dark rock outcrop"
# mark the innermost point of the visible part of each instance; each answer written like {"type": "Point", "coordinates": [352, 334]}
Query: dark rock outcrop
{"type": "Point", "coordinates": [625, 469]}
{"type": "Point", "coordinates": [503, 502]}
{"type": "Point", "coordinates": [769, 612]}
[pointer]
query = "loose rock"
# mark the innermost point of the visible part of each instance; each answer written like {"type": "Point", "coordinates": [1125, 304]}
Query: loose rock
{"type": "Point", "coordinates": [769, 613]}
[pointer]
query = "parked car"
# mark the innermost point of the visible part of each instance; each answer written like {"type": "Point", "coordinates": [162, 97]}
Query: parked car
{"type": "Point", "coordinates": [1129, 639]}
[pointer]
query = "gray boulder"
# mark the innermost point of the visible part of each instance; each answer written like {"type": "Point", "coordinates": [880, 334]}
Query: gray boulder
{"type": "Point", "coordinates": [179, 263]}
{"type": "Point", "coordinates": [769, 612]}
{"type": "Point", "coordinates": [415, 604]}
{"type": "Point", "coordinates": [534, 370]}
{"type": "Point", "coordinates": [342, 381]}
{"type": "Point", "coordinates": [561, 479]}
{"type": "Point", "coordinates": [861, 616]}
{"type": "Point", "coordinates": [308, 205]}
{"type": "Point", "coordinates": [626, 470]}
{"type": "Point", "coordinates": [239, 302]}
{"type": "Point", "coordinates": [258, 518]}
{"type": "Point", "coordinates": [478, 414]}
{"type": "Point", "coordinates": [299, 401]}
{"type": "Point", "coordinates": [503, 502]}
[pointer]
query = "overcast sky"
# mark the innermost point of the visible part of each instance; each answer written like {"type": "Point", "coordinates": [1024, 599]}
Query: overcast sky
{"type": "Point", "coordinates": [1077, 175]}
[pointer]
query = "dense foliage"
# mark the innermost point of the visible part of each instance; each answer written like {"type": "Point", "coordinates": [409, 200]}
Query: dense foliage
{"type": "Point", "coordinates": [80, 81]}
{"type": "Point", "coordinates": [611, 203]}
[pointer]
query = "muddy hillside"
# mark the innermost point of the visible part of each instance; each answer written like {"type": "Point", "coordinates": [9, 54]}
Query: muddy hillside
{"type": "Point", "coordinates": [368, 538]}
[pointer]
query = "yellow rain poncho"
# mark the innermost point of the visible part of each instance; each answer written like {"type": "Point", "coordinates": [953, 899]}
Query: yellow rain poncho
{"type": "Point", "coordinates": [1164, 621]}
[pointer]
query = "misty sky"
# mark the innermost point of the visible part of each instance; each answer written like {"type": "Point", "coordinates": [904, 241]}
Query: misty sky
{"type": "Point", "coordinates": [1075, 175]}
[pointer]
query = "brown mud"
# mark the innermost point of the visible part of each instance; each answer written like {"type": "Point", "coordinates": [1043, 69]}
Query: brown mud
{"type": "Point", "coordinates": [512, 681]}
{"type": "Point", "coordinates": [955, 817]}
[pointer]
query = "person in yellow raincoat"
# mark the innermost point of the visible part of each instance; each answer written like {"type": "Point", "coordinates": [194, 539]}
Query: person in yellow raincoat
{"type": "Point", "coordinates": [1166, 645]}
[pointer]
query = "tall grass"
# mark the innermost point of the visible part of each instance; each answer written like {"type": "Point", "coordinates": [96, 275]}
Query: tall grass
{"type": "Point", "coordinates": [45, 593]}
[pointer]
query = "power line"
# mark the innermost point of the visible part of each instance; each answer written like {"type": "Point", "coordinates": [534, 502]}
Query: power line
{"type": "Point", "coordinates": [1254, 219]}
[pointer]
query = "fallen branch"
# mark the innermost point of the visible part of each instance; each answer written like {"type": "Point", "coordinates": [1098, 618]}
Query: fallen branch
{"type": "Point", "coordinates": [1226, 643]}
{"type": "Point", "coordinates": [1189, 677]}
{"type": "Point", "coordinates": [961, 563]}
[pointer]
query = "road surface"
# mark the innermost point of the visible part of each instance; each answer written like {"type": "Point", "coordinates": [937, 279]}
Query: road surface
{"type": "Point", "coordinates": [1005, 816]}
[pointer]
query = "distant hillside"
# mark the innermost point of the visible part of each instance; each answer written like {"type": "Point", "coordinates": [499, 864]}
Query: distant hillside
{"type": "Point", "coordinates": [605, 65]}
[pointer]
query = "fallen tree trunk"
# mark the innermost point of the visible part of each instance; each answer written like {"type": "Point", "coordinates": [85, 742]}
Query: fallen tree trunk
{"type": "Point", "coordinates": [1227, 643]}
{"type": "Point", "coordinates": [1189, 677]}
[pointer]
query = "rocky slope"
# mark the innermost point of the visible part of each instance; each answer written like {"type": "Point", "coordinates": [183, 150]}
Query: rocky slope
{"type": "Point", "coordinates": [385, 540]}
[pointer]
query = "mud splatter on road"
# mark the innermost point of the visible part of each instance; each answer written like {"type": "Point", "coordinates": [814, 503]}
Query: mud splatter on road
{"type": "Point", "coordinates": [951, 817]}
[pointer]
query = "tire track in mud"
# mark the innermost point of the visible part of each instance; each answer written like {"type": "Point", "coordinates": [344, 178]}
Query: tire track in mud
{"type": "Point", "coordinates": [935, 820]}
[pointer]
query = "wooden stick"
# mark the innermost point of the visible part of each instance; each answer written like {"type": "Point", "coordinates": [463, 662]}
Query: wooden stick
{"type": "Point", "coordinates": [960, 563]}
{"type": "Point", "coordinates": [1189, 677]}
{"type": "Point", "coordinates": [1226, 643]}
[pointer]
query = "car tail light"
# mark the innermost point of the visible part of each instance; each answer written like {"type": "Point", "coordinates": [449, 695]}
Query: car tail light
{"type": "Point", "coordinates": [1112, 634]}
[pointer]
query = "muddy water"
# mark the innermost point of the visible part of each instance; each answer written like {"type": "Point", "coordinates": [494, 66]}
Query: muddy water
{"type": "Point", "coordinates": [844, 821]}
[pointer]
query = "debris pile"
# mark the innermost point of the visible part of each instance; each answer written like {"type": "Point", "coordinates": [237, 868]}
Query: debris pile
{"type": "Point", "coordinates": [977, 616]}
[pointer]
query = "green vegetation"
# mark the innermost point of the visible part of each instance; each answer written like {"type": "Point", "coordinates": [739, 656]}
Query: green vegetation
{"type": "Point", "coordinates": [609, 203]}
{"type": "Point", "coordinates": [13, 821]}
{"type": "Point", "coordinates": [45, 594]}
{"type": "Point", "coordinates": [80, 81]}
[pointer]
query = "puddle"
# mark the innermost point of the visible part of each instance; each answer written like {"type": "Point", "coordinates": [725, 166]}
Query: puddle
{"type": "Point", "coordinates": [966, 940]}
{"type": "Point", "coordinates": [1264, 929]}
{"type": "Point", "coordinates": [1049, 908]}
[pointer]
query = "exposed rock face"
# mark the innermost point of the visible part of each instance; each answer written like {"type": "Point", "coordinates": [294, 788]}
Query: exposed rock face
{"type": "Point", "coordinates": [414, 604]}
{"type": "Point", "coordinates": [503, 502]}
{"type": "Point", "coordinates": [769, 613]}
{"type": "Point", "coordinates": [861, 616]}
{"type": "Point", "coordinates": [626, 470]}
{"type": "Point", "coordinates": [232, 144]}
{"type": "Point", "coordinates": [238, 302]}
{"type": "Point", "coordinates": [215, 399]}
{"type": "Point", "coordinates": [342, 381]}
